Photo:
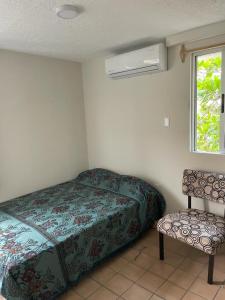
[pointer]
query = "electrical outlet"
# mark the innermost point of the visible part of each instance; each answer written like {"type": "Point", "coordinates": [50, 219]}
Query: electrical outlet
{"type": "Point", "coordinates": [166, 122]}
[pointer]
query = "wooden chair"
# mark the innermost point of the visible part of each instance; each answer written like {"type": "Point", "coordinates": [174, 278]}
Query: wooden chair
{"type": "Point", "coordinates": [198, 228]}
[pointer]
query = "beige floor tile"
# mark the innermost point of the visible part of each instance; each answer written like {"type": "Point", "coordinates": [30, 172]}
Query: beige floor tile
{"type": "Point", "coordinates": [220, 262]}
{"type": "Point", "coordinates": [141, 243]}
{"type": "Point", "coordinates": [162, 269]}
{"type": "Point", "coordinates": [86, 287]}
{"type": "Point", "coordinates": [191, 296]}
{"type": "Point", "coordinates": [153, 238]}
{"type": "Point", "coordinates": [103, 294]}
{"type": "Point", "coordinates": [170, 291]}
{"type": "Point", "coordinates": [117, 263]}
{"type": "Point", "coordinates": [218, 276]}
{"type": "Point", "coordinates": [152, 251]}
{"type": "Point", "coordinates": [203, 289]}
{"type": "Point", "coordinates": [221, 294]}
{"type": "Point", "coordinates": [182, 279]}
{"type": "Point", "coordinates": [102, 274]}
{"type": "Point", "coordinates": [173, 259]}
{"type": "Point", "coordinates": [76, 297]}
{"type": "Point", "coordinates": [155, 297]}
{"type": "Point", "coordinates": [183, 249]}
{"type": "Point", "coordinates": [171, 244]}
{"type": "Point", "coordinates": [130, 254]}
{"type": "Point", "coordinates": [71, 295]}
{"type": "Point", "coordinates": [199, 256]}
{"type": "Point", "coordinates": [132, 272]}
{"type": "Point", "coordinates": [153, 232]}
{"type": "Point", "coordinates": [119, 284]}
{"type": "Point", "coordinates": [150, 281]}
{"type": "Point", "coordinates": [189, 265]}
{"type": "Point", "coordinates": [144, 261]}
{"type": "Point", "coordinates": [136, 292]}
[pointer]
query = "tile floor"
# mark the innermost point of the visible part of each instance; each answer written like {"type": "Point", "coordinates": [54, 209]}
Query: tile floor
{"type": "Point", "coordinates": [137, 274]}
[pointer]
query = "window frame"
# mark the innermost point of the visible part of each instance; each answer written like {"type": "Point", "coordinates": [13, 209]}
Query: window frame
{"type": "Point", "coordinates": [193, 99]}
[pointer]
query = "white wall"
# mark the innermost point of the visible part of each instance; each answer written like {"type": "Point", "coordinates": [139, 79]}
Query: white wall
{"type": "Point", "coordinates": [42, 124]}
{"type": "Point", "coordinates": [125, 130]}
{"type": "Point", "coordinates": [43, 134]}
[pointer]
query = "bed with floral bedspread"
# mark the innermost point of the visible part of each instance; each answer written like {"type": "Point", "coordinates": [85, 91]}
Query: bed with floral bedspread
{"type": "Point", "coordinates": [49, 238]}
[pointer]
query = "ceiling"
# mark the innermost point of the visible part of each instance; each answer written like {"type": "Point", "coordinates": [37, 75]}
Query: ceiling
{"type": "Point", "coordinates": [31, 25]}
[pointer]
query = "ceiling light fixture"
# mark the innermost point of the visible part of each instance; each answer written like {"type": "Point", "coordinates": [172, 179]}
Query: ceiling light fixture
{"type": "Point", "coordinates": [67, 11]}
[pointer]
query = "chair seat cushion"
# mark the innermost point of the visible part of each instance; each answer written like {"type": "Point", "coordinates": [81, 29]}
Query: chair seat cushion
{"type": "Point", "coordinates": [200, 229]}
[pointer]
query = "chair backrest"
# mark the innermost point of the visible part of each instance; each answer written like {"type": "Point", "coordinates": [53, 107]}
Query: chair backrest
{"type": "Point", "coordinates": [205, 185]}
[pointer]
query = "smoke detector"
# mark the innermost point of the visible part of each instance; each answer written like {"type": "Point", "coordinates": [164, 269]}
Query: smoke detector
{"type": "Point", "coordinates": [67, 11]}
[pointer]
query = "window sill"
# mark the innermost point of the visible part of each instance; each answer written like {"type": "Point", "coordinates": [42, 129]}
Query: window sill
{"type": "Point", "coordinates": [208, 153]}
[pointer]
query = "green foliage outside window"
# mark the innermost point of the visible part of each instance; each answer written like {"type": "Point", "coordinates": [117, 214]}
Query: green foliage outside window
{"type": "Point", "coordinates": [208, 102]}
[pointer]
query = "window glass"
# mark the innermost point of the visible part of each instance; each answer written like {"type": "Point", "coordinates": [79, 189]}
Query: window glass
{"type": "Point", "coordinates": [208, 106]}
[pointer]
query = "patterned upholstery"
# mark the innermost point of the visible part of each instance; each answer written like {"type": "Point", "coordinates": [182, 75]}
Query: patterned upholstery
{"type": "Point", "coordinates": [205, 185]}
{"type": "Point", "coordinates": [200, 229]}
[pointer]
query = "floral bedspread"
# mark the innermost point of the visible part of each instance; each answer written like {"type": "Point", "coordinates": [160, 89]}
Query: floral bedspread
{"type": "Point", "coordinates": [49, 238]}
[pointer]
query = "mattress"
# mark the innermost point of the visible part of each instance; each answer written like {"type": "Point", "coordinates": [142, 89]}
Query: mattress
{"type": "Point", "coordinates": [50, 238]}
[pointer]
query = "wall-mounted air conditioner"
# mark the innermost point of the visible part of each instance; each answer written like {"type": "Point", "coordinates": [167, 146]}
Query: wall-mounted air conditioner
{"type": "Point", "coordinates": [146, 60]}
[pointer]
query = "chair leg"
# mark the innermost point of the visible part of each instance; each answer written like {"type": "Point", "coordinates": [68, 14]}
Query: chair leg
{"type": "Point", "coordinates": [210, 269]}
{"type": "Point", "coordinates": [161, 246]}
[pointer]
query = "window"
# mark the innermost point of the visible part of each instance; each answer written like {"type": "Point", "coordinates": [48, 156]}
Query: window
{"type": "Point", "coordinates": [208, 120]}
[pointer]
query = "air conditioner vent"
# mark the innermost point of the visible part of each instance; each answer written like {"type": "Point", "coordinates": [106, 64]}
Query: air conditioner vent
{"type": "Point", "coordinates": [147, 60]}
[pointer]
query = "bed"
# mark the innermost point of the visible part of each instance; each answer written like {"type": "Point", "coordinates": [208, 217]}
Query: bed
{"type": "Point", "coordinates": [50, 238]}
